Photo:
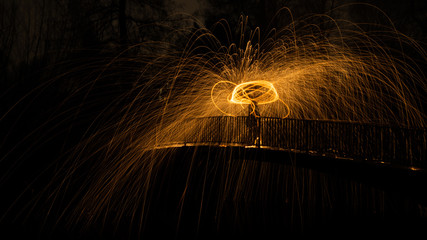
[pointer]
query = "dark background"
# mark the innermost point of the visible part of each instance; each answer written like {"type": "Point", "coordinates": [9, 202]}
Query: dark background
{"type": "Point", "coordinates": [52, 50]}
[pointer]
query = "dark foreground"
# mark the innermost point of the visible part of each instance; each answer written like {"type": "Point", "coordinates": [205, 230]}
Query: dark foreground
{"type": "Point", "coordinates": [238, 192]}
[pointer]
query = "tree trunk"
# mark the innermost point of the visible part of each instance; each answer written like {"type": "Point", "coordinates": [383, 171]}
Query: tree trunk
{"type": "Point", "coordinates": [122, 23]}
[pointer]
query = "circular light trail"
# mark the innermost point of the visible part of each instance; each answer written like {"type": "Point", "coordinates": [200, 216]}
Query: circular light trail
{"type": "Point", "coordinates": [254, 92]}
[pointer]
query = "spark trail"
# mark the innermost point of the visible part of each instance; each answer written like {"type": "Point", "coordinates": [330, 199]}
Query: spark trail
{"type": "Point", "coordinates": [301, 71]}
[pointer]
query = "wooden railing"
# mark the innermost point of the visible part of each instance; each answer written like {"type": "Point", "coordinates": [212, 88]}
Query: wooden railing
{"type": "Point", "coordinates": [389, 144]}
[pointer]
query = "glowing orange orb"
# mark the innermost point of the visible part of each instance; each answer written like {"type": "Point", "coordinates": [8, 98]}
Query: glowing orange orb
{"type": "Point", "coordinates": [259, 92]}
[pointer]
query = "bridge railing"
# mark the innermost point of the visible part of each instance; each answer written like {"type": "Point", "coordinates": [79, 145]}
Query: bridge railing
{"type": "Point", "coordinates": [390, 144]}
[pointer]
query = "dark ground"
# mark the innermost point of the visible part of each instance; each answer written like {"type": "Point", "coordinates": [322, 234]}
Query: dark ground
{"type": "Point", "coordinates": [364, 200]}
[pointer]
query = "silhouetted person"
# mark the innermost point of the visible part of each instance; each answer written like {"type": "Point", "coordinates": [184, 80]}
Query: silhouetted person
{"type": "Point", "coordinates": [253, 124]}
